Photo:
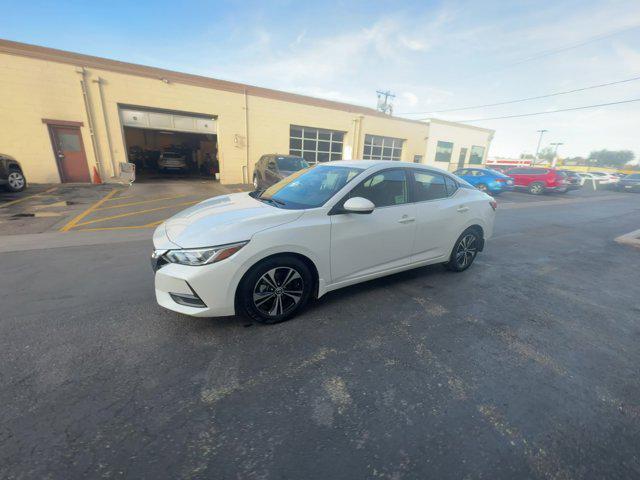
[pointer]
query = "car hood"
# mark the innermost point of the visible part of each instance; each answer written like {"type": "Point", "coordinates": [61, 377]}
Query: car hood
{"type": "Point", "coordinates": [224, 219]}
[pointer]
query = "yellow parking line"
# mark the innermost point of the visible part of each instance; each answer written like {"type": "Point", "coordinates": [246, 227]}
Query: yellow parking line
{"type": "Point", "coordinates": [139, 212]}
{"type": "Point", "coordinates": [140, 202]}
{"type": "Point", "coordinates": [130, 227]}
{"type": "Point", "coordinates": [13, 202]}
{"type": "Point", "coordinates": [76, 219]}
{"type": "Point", "coordinates": [120, 198]}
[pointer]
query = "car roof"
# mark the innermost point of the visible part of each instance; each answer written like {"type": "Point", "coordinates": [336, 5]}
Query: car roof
{"type": "Point", "coordinates": [369, 164]}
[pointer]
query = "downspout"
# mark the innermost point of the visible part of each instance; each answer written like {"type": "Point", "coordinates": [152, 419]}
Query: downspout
{"type": "Point", "coordinates": [85, 97]}
{"type": "Point", "coordinates": [245, 174]}
{"type": "Point", "coordinates": [358, 136]}
{"type": "Point", "coordinates": [99, 81]}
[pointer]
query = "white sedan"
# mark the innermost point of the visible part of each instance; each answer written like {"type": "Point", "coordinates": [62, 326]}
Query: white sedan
{"type": "Point", "coordinates": [264, 255]}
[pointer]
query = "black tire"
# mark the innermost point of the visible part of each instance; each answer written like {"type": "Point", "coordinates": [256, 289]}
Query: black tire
{"type": "Point", "coordinates": [536, 188]}
{"type": "Point", "coordinates": [469, 242]}
{"type": "Point", "coordinates": [16, 181]}
{"type": "Point", "coordinates": [263, 294]}
{"type": "Point", "coordinates": [482, 187]}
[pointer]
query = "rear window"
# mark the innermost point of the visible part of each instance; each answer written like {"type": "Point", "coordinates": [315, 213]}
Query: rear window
{"type": "Point", "coordinates": [291, 164]}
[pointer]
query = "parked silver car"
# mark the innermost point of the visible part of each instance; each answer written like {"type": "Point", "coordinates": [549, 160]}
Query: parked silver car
{"type": "Point", "coordinates": [172, 161]}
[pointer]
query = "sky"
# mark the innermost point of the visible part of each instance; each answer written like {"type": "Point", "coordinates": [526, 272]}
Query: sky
{"type": "Point", "coordinates": [433, 55]}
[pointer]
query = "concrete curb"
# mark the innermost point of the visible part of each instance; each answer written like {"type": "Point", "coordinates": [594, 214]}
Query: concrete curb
{"type": "Point", "coordinates": [631, 238]}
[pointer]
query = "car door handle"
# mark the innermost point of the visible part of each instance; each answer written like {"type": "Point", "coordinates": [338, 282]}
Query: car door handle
{"type": "Point", "coordinates": [463, 209]}
{"type": "Point", "coordinates": [406, 219]}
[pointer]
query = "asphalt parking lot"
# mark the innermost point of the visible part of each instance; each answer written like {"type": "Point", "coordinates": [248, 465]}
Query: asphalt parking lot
{"type": "Point", "coordinates": [525, 366]}
{"type": "Point", "coordinates": [108, 207]}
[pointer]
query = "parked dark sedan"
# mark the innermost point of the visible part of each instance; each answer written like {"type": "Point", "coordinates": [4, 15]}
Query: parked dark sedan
{"type": "Point", "coordinates": [574, 182]}
{"type": "Point", "coordinates": [272, 168]}
{"type": "Point", "coordinates": [630, 183]}
{"type": "Point", "coordinates": [11, 176]}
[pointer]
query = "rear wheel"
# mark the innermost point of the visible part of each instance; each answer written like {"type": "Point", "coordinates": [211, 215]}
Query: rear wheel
{"type": "Point", "coordinates": [16, 181]}
{"type": "Point", "coordinates": [275, 289]}
{"type": "Point", "coordinates": [465, 250]}
{"type": "Point", "coordinates": [536, 188]}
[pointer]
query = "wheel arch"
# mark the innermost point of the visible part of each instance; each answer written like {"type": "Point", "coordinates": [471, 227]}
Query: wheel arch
{"type": "Point", "coordinates": [303, 258]}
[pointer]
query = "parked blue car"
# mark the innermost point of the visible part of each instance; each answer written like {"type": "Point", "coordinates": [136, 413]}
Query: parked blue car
{"type": "Point", "coordinates": [487, 180]}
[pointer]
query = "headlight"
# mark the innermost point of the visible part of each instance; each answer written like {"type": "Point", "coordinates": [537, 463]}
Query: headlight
{"type": "Point", "coordinates": [203, 256]}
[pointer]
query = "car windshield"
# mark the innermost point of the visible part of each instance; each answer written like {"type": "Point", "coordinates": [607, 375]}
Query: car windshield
{"type": "Point", "coordinates": [309, 188]}
{"type": "Point", "coordinates": [291, 164]}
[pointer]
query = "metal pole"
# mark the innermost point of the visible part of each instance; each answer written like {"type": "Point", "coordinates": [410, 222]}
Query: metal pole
{"type": "Point", "coordinates": [555, 153]}
{"type": "Point", "coordinates": [539, 142]}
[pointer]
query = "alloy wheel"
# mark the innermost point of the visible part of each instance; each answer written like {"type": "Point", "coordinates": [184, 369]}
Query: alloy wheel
{"type": "Point", "coordinates": [467, 250]}
{"type": "Point", "coordinates": [16, 180]}
{"type": "Point", "coordinates": [536, 188]}
{"type": "Point", "coordinates": [278, 291]}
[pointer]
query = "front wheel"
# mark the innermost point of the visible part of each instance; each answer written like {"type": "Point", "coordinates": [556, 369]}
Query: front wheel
{"type": "Point", "coordinates": [16, 181]}
{"type": "Point", "coordinates": [464, 251]}
{"type": "Point", "coordinates": [275, 289]}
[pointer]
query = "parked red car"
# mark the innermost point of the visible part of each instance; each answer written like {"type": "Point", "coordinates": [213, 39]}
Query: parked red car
{"type": "Point", "coordinates": [537, 180]}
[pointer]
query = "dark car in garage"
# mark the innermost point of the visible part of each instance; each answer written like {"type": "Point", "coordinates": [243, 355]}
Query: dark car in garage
{"type": "Point", "coordinates": [11, 176]}
{"type": "Point", "coordinates": [272, 168]}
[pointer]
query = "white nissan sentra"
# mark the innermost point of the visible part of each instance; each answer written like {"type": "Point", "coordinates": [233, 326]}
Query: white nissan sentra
{"type": "Point", "coordinates": [265, 255]}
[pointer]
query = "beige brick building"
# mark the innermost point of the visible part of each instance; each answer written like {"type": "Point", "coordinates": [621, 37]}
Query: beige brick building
{"type": "Point", "coordinates": [65, 115]}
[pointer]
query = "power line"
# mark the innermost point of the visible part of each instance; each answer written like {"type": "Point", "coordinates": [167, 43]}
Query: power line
{"type": "Point", "coordinates": [527, 98]}
{"type": "Point", "coordinates": [553, 51]}
{"type": "Point", "coordinates": [550, 111]}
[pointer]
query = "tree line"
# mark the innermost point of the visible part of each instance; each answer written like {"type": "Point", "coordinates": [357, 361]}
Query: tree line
{"type": "Point", "coordinates": [600, 158]}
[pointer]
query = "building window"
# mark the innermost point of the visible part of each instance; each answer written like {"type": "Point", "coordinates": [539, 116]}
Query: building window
{"type": "Point", "coordinates": [477, 154]}
{"type": "Point", "coordinates": [315, 144]}
{"type": "Point", "coordinates": [382, 148]}
{"type": "Point", "coordinates": [443, 152]}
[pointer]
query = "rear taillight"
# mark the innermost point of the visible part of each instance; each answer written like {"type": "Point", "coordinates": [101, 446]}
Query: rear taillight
{"type": "Point", "coordinates": [493, 204]}
{"type": "Point", "coordinates": [500, 180]}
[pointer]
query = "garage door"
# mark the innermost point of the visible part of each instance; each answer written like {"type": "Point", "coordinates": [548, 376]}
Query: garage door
{"type": "Point", "coordinates": [157, 120]}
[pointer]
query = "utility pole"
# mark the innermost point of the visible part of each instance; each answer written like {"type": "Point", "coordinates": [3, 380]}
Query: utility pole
{"type": "Point", "coordinates": [541, 132]}
{"type": "Point", "coordinates": [384, 102]}
{"type": "Point", "coordinates": [555, 153]}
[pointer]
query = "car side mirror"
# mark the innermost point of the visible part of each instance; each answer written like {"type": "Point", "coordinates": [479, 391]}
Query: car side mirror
{"type": "Point", "coordinates": [358, 205]}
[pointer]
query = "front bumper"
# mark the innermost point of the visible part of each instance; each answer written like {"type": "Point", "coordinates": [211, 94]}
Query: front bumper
{"type": "Point", "coordinates": [204, 291]}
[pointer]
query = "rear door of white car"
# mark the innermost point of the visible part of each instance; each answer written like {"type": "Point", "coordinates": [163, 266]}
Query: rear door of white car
{"type": "Point", "coordinates": [441, 213]}
{"type": "Point", "coordinates": [365, 244]}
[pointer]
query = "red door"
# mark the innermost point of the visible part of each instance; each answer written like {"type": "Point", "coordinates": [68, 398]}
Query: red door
{"type": "Point", "coordinates": [69, 151]}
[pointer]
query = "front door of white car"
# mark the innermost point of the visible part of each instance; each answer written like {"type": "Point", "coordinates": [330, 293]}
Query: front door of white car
{"type": "Point", "coordinates": [366, 244]}
{"type": "Point", "coordinates": [440, 215]}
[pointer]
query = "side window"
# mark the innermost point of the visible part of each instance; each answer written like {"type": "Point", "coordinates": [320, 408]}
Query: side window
{"type": "Point", "coordinates": [389, 187]}
{"type": "Point", "coordinates": [462, 172]}
{"type": "Point", "coordinates": [451, 185]}
{"type": "Point", "coordinates": [429, 186]}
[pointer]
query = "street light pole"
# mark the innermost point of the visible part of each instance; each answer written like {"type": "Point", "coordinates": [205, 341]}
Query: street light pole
{"type": "Point", "coordinates": [555, 153]}
{"type": "Point", "coordinates": [541, 132]}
